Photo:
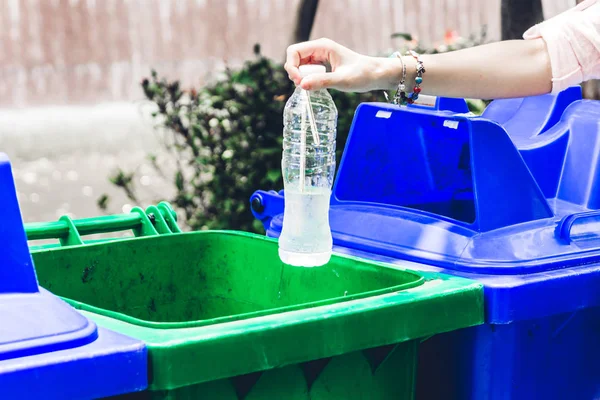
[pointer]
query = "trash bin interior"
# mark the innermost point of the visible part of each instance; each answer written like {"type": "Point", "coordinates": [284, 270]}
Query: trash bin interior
{"type": "Point", "coordinates": [202, 278]}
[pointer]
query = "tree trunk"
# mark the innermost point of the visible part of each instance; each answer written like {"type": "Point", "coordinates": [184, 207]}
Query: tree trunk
{"type": "Point", "coordinates": [305, 18]}
{"type": "Point", "coordinates": [518, 16]}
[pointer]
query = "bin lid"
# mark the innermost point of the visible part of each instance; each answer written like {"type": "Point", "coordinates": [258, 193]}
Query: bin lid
{"type": "Point", "coordinates": [531, 116]}
{"type": "Point", "coordinates": [47, 348]}
{"type": "Point", "coordinates": [455, 192]}
{"type": "Point", "coordinates": [33, 321]}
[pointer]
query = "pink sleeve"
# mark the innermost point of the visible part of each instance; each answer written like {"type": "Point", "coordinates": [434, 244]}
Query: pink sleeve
{"type": "Point", "coordinates": [573, 41]}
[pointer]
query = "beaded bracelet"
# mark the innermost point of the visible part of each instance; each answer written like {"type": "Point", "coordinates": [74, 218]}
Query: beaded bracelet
{"type": "Point", "coordinates": [418, 80]}
{"type": "Point", "coordinates": [401, 97]}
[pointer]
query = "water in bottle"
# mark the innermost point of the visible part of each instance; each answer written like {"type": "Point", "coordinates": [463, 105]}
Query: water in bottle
{"type": "Point", "coordinates": [308, 165]}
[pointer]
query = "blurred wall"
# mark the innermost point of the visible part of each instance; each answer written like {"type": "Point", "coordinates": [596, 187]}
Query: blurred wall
{"type": "Point", "coordinates": [86, 51]}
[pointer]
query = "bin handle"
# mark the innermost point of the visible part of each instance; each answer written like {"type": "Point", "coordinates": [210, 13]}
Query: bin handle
{"type": "Point", "coordinates": [155, 220]}
{"type": "Point", "coordinates": [266, 205]}
{"type": "Point", "coordinates": [565, 226]}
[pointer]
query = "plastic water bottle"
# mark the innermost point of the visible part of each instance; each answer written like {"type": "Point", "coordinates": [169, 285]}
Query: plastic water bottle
{"type": "Point", "coordinates": [308, 165]}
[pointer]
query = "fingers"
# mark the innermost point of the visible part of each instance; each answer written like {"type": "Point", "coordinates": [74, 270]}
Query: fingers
{"type": "Point", "coordinates": [326, 80]}
{"type": "Point", "coordinates": [313, 51]}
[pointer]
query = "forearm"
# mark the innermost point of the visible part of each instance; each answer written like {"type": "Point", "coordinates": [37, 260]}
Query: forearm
{"type": "Point", "coordinates": [516, 68]}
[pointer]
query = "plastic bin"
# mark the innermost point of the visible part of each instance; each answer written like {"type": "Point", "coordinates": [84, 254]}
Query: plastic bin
{"type": "Point", "coordinates": [223, 318]}
{"type": "Point", "coordinates": [47, 349]}
{"type": "Point", "coordinates": [519, 213]}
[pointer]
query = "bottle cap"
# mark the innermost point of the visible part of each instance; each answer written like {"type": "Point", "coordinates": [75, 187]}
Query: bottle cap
{"type": "Point", "coordinates": [309, 69]}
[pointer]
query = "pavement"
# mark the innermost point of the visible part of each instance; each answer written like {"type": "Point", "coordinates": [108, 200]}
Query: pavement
{"type": "Point", "coordinates": [62, 158]}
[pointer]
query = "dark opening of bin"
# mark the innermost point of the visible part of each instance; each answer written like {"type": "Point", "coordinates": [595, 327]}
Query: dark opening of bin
{"type": "Point", "coordinates": [409, 164]}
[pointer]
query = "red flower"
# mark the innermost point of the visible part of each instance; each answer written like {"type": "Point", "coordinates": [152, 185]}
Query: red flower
{"type": "Point", "coordinates": [451, 37]}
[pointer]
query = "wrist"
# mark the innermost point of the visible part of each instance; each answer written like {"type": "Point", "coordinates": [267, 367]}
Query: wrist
{"type": "Point", "coordinates": [388, 73]}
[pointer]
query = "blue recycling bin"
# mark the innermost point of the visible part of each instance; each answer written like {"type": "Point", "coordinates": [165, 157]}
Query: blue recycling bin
{"type": "Point", "coordinates": [47, 349]}
{"type": "Point", "coordinates": [513, 204]}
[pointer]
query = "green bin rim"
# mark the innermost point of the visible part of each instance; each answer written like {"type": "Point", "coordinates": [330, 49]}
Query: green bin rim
{"type": "Point", "coordinates": [417, 281]}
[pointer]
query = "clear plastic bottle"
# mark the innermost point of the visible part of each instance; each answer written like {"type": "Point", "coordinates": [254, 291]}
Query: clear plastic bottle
{"type": "Point", "coordinates": [308, 165]}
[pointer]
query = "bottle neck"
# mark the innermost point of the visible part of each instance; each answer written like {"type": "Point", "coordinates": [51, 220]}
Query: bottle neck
{"type": "Point", "coordinates": [319, 93]}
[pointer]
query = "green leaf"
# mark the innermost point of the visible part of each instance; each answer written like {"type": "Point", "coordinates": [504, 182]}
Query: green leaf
{"type": "Point", "coordinates": [269, 151]}
{"type": "Point", "coordinates": [179, 182]}
{"type": "Point", "coordinates": [274, 175]}
{"type": "Point", "coordinates": [103, 201]}
{"type": "Point", "coordinates": [476, 106]}
{"type": "Point", "coordinates": [406, 36]}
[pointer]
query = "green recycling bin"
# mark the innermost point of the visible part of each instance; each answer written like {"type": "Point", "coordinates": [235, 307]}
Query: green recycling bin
{"type": "Point", "coordinates": [223, 318]}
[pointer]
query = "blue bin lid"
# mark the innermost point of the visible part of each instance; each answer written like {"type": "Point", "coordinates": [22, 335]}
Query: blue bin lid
{"type": "Point", "coordinates": [30, 323]}
{"type": "Point", "coordinates": [45, 344]}
{"type": "Point", "coordinates": [531, 116]}
{"type": "Point", "coordinates": [454, 191]}
{"type": "Point", "coordinates": [36, 323]}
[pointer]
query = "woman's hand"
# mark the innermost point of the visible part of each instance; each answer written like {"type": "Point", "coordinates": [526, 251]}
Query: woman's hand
{"type": "Point", "coordinates": [350, 71]}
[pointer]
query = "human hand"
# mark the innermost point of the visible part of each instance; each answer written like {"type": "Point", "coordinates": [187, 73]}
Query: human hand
{"type": "Point", "coordinates": [350, 71]}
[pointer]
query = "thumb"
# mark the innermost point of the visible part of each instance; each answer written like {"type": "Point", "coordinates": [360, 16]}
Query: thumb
{"type": "Point", "coordinates": [324, 80]}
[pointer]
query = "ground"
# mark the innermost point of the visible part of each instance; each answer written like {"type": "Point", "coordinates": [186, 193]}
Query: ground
{"type": "Point", "coordinates": [62, 157]}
